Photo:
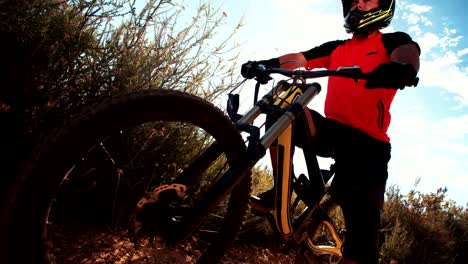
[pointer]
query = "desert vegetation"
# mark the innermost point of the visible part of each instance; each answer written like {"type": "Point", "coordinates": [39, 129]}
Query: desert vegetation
{"type": "Point", "coordinates": [60, 55]}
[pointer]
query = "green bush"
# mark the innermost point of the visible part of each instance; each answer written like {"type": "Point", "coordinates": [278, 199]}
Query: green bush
{"type": "Point", "coordinates": [416, 228]}
{"type": "Point", "coordinates": [60, 55]}
{"type": "Point", "coordinates": [423, 228]}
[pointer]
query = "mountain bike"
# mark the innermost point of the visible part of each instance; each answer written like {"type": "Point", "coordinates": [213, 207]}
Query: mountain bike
{"type": "Point", "coordinates": [162, 176]}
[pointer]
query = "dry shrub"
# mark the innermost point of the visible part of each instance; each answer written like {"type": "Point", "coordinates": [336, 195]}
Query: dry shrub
{"type": "Point", "coordinates": [422, 228]}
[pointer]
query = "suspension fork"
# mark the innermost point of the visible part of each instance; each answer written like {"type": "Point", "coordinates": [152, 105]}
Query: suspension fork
{"type": "Point", "coordinates": [235, 174]}
{"type": "Point", "coordinates": [279, 138]}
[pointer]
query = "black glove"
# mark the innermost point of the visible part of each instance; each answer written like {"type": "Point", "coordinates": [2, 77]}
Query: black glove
{"type": "Point", "coordinates": [249, 69]}
{"type": "Point", "coordinates": [391, 75]}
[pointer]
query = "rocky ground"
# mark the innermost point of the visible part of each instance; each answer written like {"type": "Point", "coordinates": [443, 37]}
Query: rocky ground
{"type": "Point", "coordinates": [253, 254]}
{"type": "Point", "coordinates": [104, 247]}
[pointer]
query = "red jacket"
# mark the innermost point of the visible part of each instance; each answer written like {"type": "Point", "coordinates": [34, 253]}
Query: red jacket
{"type": "Point", "coordinates": [348, 101]}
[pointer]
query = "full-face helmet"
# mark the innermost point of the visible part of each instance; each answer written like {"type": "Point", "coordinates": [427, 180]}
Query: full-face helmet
{"type": "Point", "coordinates": [360, 21]}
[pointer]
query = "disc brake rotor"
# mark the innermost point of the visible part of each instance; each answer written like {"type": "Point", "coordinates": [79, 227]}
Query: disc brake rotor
{"type": "Point", "coordinates": [152, 209]}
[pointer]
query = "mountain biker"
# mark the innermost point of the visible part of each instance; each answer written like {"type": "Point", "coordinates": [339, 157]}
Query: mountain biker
{"type": "Point", "coordinates": [357, 114]}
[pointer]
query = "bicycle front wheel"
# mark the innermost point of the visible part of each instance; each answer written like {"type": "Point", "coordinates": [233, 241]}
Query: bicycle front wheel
{"type": "Point", "coordinates": [107, 187]}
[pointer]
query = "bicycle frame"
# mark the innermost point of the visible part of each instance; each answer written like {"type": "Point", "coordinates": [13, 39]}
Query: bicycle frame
{"type": "Point", "coordinates": [279, 139]}
{"type": "Point", "coordinates": [287, 101]}
{"type": "Point", "coordinates": [294, 97]}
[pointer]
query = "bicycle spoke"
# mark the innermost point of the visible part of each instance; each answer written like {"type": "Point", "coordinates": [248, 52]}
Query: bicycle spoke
{"type": "Point", "coordinates": [94, 176]}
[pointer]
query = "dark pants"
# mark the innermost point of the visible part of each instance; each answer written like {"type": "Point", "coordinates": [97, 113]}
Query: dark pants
{"type": "Point", "coordinates": [359, 183]}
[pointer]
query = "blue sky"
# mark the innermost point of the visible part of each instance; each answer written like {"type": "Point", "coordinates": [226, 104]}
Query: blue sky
{"type": "Point", "coordinates": [429, 129]}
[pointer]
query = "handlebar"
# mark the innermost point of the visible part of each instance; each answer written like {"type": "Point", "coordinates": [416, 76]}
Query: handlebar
{"type": "Point", "coordinates": [353, 72]}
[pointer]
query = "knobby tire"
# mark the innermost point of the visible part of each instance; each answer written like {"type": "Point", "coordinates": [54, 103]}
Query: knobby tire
{"type": "Point", "coordinates": [28, 201]}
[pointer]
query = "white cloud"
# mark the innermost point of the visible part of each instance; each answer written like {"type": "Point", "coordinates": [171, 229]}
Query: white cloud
{"type": "Point", "coordinates": [452, 128]}
{"type": "Point", "coordinates": [445, 72]}
{"type": "Point", "coordinates": [462, 52]}
{"type": "Point", "coordinates": [415, 19]}
{"type": "Point", "coordinates": [427, 42]}
{"type": "Point", "coordinates": [457, 149]}
{"type": "Point", "coordinates": [417, 159]}
{"type": "Point", "coordinates": [412, 19]}
{"type": "Point", "coordinates": [450, 39]}
{"type": "Point", "coordinates": [441, 63]}
{"type": "Point", "coordinates": [430, 149]}
{"type": "Point", "coordinates": [418, 9]}
{"type": "Point", "coordinates": [415, 30]}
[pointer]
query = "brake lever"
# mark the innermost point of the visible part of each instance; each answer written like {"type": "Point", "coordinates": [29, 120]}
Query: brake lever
{"type": "Point", "coordinates": [352, 71]}
{"type": "Point", "coordinates": [263, 76]}
{"type": "Point", "coordinates": [263, 79]}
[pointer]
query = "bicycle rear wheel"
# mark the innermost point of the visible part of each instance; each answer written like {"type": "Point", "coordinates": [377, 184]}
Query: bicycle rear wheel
{"type": "Point", "coordinates": [73, 201]}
